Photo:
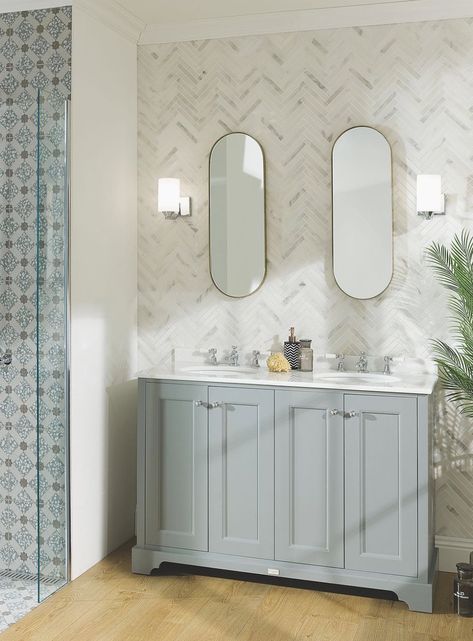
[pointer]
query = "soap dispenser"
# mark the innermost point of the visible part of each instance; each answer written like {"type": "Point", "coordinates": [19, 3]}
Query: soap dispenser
{"type": "Point", "coordinates": [307, 355]}
{"type": "Point", "coordinates": [292, 350]}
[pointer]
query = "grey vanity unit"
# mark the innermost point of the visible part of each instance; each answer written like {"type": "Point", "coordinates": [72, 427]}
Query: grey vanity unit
{"type": "Point", "coordinates": [290, 479]}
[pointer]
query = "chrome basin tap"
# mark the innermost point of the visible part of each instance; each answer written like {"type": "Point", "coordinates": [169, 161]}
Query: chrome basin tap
{"type": "Point", "coordinates": [387, 365]}
{"type": "Point", "coordinates": [213, 356]}
{"type": "Point", "coordinates": [362, 363]}
{"type": "Point", "coordinates": [255, 359]}
{"type": "Point", "coordinates": [233, 357]}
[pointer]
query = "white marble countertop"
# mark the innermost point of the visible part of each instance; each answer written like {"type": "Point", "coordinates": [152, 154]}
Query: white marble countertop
{"type": "Point", "coordinates": [398, 383]}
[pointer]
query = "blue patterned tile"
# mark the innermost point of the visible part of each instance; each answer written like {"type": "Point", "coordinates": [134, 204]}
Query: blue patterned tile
{"type": "Point", "coordinates": [8, 299]}
{"type": "Point", "coordinates": [8, 408]}
{"type": "Point", "coordinates": [8, 225]}
{"type": "Point", "coordinates": [35, 49]}
{"type": "Point", "coordinates": [24, 503]}
{"type": "Point", "coordinates": [9, 262]}
{"type": "Point", "coordinates": [9, 49]}
{"type": "Point", "coordinates": [7, 517]}
{"type": "Point", "coordinates": [8, 481]}
{"type": "Point", "coordinates": [23, 463]}
{"type": "Point", "coordinates": [8, 118]}
{"type": "Point", "coordinates": [9, 84]}
{"type": "Point", "coordinates": [25, 30]}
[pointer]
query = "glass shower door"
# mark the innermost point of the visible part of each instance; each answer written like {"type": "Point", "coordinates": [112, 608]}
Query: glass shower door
{"type": "Point", "coordinates": [33, 329]}
{"type": "Point", "coordinates": [52, 266]}
{"type": "Point", "coordinates": [18, 379]}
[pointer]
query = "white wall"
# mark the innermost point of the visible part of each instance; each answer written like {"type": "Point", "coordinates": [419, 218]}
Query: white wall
{"type": "Point", "coordinates": [103, 289]}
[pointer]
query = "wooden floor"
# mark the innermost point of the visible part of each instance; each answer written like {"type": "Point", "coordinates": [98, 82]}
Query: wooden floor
{"type": "Point", "coordinates": [108, 603]}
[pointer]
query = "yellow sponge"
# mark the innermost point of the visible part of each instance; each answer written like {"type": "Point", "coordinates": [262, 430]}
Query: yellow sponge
{"type": "Point", "coordinates": [278, 363]}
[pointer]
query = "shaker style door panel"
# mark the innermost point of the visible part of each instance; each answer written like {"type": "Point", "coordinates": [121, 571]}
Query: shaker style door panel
{"type": "Point", "coordinates": [241, 472]}
{"type": "Point", "coordinates": [381, 484]}
{"type": "Point", "coordinates": [309, 477]}
{"type": "Point", "coordinates": [176, 466]}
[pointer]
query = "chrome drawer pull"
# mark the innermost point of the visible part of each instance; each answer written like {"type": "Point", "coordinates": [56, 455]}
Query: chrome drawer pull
{"type": "Point", "coordinates": [198, 403]}
{"type": "Point", "coordinates": [351, 414]}
{"type": "Point", "coordinates": [215, 404]}
{"type": "Point", "coordinates": [334, 412]}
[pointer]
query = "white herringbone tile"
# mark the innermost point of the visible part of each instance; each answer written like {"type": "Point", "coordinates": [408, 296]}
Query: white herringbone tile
{"type": "Point", "coordinates": [295, 93]}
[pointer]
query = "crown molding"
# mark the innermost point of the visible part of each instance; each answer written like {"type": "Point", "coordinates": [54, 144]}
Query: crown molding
{"type": "Point", "coordinates": [400, 11]}
{"type": "Point", "coordinates": [113, 15]}
{"type": "Point", "coordinates": [11, 6]}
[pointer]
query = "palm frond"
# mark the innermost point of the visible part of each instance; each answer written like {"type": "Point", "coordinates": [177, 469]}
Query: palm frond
{"type": "Point", "coordinates": [454, 269]}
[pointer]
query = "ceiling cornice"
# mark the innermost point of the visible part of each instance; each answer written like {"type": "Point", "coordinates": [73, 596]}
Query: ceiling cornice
{"type": "Point", "coordinates": [11, 6]}
{"type": "Point", "coordinates": [308, 20]}
{"type": "Point", "coordinates": [115, 16]}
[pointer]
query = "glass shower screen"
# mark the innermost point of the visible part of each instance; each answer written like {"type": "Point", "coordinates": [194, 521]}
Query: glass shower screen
{"type": "Point", "coordinates": [33, 328]}
{"type": "Point", "coordinates": [52, 286]}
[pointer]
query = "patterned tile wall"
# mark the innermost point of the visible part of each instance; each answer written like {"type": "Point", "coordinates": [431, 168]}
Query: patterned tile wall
{"type": "Point", "coordinates": [296, 93]}
{"type": "Point", "coordinates": [35, 50]}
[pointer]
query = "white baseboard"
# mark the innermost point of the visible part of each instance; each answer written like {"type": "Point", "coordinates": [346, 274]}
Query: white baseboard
{"type": "Point", "coordinates": [452, 551]}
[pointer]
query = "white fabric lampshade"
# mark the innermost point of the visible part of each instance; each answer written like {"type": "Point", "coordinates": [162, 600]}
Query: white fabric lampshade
{"type": "Point", "coordinates": [429, 193]}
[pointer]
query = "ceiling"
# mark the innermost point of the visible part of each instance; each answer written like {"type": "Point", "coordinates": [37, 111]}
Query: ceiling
{"type": "Point", "coordinates": [166, 11]}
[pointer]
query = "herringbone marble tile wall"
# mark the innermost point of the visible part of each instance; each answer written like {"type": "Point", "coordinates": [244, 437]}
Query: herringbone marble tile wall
{"type": "Point", "coordinates": [296, 93]}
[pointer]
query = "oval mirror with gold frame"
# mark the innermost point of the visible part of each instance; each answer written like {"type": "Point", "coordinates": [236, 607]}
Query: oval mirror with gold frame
{"type": "Point", "coordinates": [362, 212]}
{"type": "Point", "coordinates": [237, 227]}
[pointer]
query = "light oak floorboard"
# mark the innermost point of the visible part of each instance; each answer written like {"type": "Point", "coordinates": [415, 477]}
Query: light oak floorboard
{"type": "Point", "coordinates": [109, 603]}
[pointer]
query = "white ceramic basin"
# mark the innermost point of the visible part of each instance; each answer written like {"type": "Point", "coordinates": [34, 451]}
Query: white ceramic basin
{"type": "Point", "coordinates": [226, 371]}
{"type": "Point", "coordinates": [358, 377]}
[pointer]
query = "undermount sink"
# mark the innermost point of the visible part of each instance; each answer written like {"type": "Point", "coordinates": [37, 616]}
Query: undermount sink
{"type": "Point", "coordinates": [358, 377]}
{"type": "Point", "coordinates": [226, 371]}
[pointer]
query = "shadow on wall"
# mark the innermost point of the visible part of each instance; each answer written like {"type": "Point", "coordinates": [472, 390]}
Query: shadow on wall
{"type": "Point", "coordinates": [121, 452]}
{"type": "Point", "coordinates": [453, 468]}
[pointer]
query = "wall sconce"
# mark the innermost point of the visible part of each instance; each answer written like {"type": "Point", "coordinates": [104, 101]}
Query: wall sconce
{"type": "Point", "coordinates": [430, 198]}
{"type": "Point", "coordinates": [170, 202]}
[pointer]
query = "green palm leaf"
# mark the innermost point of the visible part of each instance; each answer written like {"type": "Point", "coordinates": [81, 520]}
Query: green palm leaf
{"type": "Point", "coordinates": [454, 270]}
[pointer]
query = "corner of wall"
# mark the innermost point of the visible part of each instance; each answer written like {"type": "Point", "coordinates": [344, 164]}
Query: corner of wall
{"type": "Point", "coordinates": [103, 289]}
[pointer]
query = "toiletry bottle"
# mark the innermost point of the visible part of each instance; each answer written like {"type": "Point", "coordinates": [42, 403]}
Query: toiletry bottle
{"type": "Point", "coordinates": [307, 356]}
{"type": "Point", "coordinates": [463, 590]}
{"type": "Point", "coordinates": [292, 350]}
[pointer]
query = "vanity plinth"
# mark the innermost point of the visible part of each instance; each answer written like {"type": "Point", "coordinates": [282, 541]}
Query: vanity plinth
{"type": "Point", "coordinates": [288, 477]}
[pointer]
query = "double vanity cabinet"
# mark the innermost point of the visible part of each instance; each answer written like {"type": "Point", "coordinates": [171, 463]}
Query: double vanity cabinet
{"type": "Point", "coordinates": [288, 479]}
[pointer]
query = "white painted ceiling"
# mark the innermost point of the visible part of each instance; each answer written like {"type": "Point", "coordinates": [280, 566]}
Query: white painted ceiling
{"type": "Point", "coordinates": [166, 11]}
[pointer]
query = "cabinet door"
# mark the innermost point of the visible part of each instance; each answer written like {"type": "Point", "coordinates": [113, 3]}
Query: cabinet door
{"type": "Point", "coordinates": [176, 465]}
{"type": "Point", "coordinates": [309, 477]}
{"type": "Point", "coordinates": [381, 484]}
{"type": "Point", "coordinates": [241, 472]}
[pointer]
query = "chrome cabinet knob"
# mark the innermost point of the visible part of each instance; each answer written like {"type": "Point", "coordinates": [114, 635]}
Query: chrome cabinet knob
{"type": "Point", "coordinates": [334, 412]}
{"type": "Point", "coordinates": [215, 404]}
{"type": "Point", "coordinates": [351, 414]}
{"type": "Point", "coordinates": [198, 403]}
